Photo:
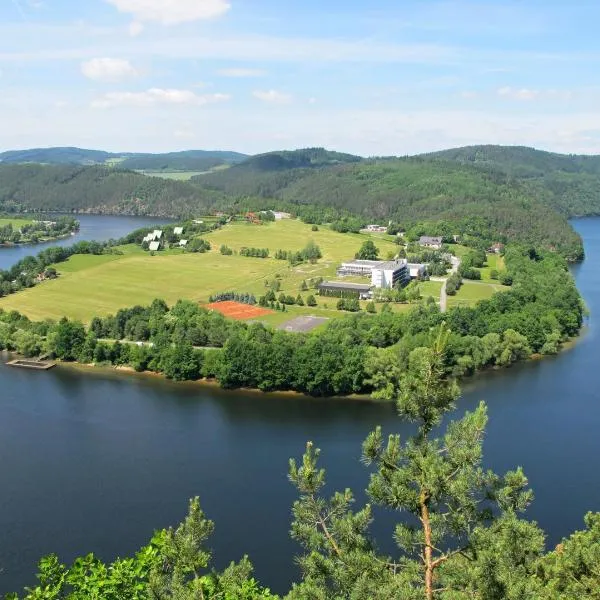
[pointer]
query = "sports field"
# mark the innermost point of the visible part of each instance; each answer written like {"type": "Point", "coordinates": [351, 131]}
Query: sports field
{"type": "Point", "coordinates": [100, 285]}
{"type": "Point", "coordinates": [238, 310]}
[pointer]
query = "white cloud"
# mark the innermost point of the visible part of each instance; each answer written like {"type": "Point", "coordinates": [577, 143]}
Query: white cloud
{"type": "Point", "coordinates": [312, 100]}
{"type": "Point", "coordinates": [522, 94]}
{"type": "Point", "coordinates": [108, 69]}
{"type": "Point", "coordinates": [157, 96]}
{"type": "Point", "coordinates": [272, 96]}
{"type": "Point", "coordinates": [241, 72]}
{"type": "Point", "coordinates": [135, 28]}
{"type": "Point", "coordinates": [172, 12]}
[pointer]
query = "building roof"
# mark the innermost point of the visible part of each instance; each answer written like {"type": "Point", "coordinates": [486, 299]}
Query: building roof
{"type": "Point", "coordinates": [390, 265]}
{"type": "Point", "coordinates": [364, 263]}
{"type": "Point", "coordinates": [183, 242]}
{"type": "Point", "coordinates": [426, 239]}
{"type": "Point", "coordinates": [178, 230]}
{"type": "Point", "coordinates": [342, 285]}
{"type": "Point", "coordinates": [157, 233]}
{"type": "Point", "coordinates": [154, 246]}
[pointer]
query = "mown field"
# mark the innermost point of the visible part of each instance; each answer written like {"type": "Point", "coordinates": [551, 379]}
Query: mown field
{"type": "Point", "coordinates": [472, 292]}
{"type": "Point", "coordinates": [17, 222]}
{"type": "Point", "coordinates": [99, 285]}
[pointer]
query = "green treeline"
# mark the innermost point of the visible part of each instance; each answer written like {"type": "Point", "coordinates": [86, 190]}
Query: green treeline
{"type": "Point", "coordinates": [98, 189]}
{"type": "Point", "coordinates": [364, 353]}
{"type": "Point", "coordinates": [460, 531]}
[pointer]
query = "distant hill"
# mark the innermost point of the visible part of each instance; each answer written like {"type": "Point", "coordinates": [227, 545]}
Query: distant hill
{"type": "Point", "coordinates": [265, 174]}
{"type": "Point", "coordinates": [187, 160]}
{"type": "Point", "coordinates": [568, 182]}
{"type": "Point", "coordinates": [98, 189]}
{"type": "Point", "coordinates": [423, 188]}
{"type": "Point", "coordinates": [503, 193]}
{"type": "Point", "coordinates": [56, 156]}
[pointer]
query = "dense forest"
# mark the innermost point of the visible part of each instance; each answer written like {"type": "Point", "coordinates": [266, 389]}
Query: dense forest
{"type": "Point", "coordinates": [98, 189]}
{"type": "Point", "coordinates": [513, 194]}
{"type": "Point", "coordinates": [569, 183]}
{"type": "Point", "coordinates": [187, 160]}
{"type": "Point", "coordinates": [175, 161]}
{"type": "Point", "coordinates": [460, 531]}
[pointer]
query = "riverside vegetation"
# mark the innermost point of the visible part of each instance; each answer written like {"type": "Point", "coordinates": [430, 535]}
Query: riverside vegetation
{"type": "Point", "coordinates": [460, 532]}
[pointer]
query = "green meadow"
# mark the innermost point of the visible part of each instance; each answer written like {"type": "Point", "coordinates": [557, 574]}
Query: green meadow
{"type": "Point", "coordinates": [472, 292]}
{"type": "Point", "coordinates": [16, 222]}
{"type": "Point", "coordinates": [99, 285]}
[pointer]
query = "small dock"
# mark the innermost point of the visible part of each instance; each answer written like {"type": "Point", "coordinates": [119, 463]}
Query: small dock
{"type": "Point", "coordinates": [36, 365]}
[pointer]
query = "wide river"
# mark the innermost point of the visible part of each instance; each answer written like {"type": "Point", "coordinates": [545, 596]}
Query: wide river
{"type": "Point", "coordinates": [95, 461]}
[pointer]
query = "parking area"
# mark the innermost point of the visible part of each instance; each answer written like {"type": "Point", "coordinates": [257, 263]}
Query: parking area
{"type": "Point", "coordinates": [302, 324]}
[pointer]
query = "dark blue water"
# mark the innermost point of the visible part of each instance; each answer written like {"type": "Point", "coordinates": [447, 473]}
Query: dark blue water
{"type": "Point", "coordinates": [96, 462]}
{"type": "Point", "coordinates": [93, 227]}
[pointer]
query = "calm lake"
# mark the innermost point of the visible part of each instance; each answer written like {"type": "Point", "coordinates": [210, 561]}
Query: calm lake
{"type": "Point", "coordinates": [91, 461]}
{"type": "Point", "coordinates": [92, 227]}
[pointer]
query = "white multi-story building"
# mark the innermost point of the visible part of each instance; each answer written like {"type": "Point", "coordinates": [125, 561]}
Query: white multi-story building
{"type": "Point", "coordinates": [390, 274]}
{"type": "Point", "coordinates": [383, 274]}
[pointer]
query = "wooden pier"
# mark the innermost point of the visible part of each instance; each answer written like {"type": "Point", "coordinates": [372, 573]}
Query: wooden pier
{"type": "Point", "coordinates": [36, 365]}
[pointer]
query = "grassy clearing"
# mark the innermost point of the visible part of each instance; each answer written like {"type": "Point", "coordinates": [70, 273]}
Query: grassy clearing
{"type": "Point", "coordinates": [176, 175]}
{"type": "Point", "coordinates": [431, 288]}
{"type": "Point", "coordinates": [17, 222]}
{"type": "Point", "coordinates": [493, 262]}
{"type": "Point", "coordinates": [100, 285]}
{"type": "Point", "coordinates": [471, 292]}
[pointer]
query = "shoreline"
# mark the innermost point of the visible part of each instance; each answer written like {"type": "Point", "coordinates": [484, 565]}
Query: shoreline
{"type": "Point", "coordinates": [40, 241]}
{"type": "Point", "coordinates": [465, 382]}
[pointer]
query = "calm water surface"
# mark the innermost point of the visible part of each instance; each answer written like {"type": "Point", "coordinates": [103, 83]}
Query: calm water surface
{"type": "Point", "coordinates": [96, 462]}
{"type": "Point", "coordinates": [93, 227]}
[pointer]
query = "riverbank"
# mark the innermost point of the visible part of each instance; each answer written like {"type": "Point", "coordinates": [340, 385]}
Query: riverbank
{"type": "Point", "coordinates": [47, 240]}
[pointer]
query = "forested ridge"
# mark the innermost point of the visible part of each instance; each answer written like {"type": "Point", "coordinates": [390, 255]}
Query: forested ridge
{"type": "Point", "coordinates": [98, 189]}
{"type": "Point", "coordinates": [516, 194]}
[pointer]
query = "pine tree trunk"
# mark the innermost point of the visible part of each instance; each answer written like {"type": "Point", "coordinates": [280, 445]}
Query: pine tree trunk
{"type": "Point", "coordinates": [427, 551]}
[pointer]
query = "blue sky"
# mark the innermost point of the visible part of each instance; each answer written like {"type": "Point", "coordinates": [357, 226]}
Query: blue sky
{"type": "Point", "coordinates": [376, 78]}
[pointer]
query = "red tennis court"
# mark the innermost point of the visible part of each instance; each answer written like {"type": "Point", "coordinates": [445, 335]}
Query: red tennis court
{"type": "Point", "coordinates": [238, 310]}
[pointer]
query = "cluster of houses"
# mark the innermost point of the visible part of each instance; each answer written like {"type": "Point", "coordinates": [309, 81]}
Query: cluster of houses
{"type": "Point", "coordinates": [155, 239]}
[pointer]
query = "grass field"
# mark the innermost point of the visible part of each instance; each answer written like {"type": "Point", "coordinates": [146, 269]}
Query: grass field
{"type": "Point", "coordinates": [176, 175]}
{"type": "Point", "coordinates": [100, 285]}
{"type": "Point", "coordinates": [494, 262]}
{"type": "Point", "coordinates": [431, 288]}
{"type": "Point", "coordinates": [472, 292]}
{"type": "Point", "coordinates": [17, 222]}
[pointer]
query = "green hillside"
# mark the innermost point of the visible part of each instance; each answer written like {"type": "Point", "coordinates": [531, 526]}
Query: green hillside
{"type": "Point", "coordinates": [57, 156]}
{"type": "Point", "coordinates": [569, 183]}
{"type": "Point", "coordinates": [413, 190]}
{"type": "Point", "coordinates": [98, 189]}
{"type": "Point", "coordinates": [188, 160]}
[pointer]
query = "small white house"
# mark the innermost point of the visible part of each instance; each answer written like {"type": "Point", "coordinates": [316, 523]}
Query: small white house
{"type": "Point", "coordinates": [149, 238]}
{"type": "Point", "coordinates": [431, 242]}
{"type": "Point", "coordinates": [157, 234]}
{"type": "Point", "coordinates": [178, 230]}
{"type": "Point", "coordinates": [154, 246]}
{"type": "Point", "coordinates": [183, 243]}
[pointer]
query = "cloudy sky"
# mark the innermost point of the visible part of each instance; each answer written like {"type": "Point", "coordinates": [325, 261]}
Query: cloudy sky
{"type": "Point", "coordinates": [376, 78]}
